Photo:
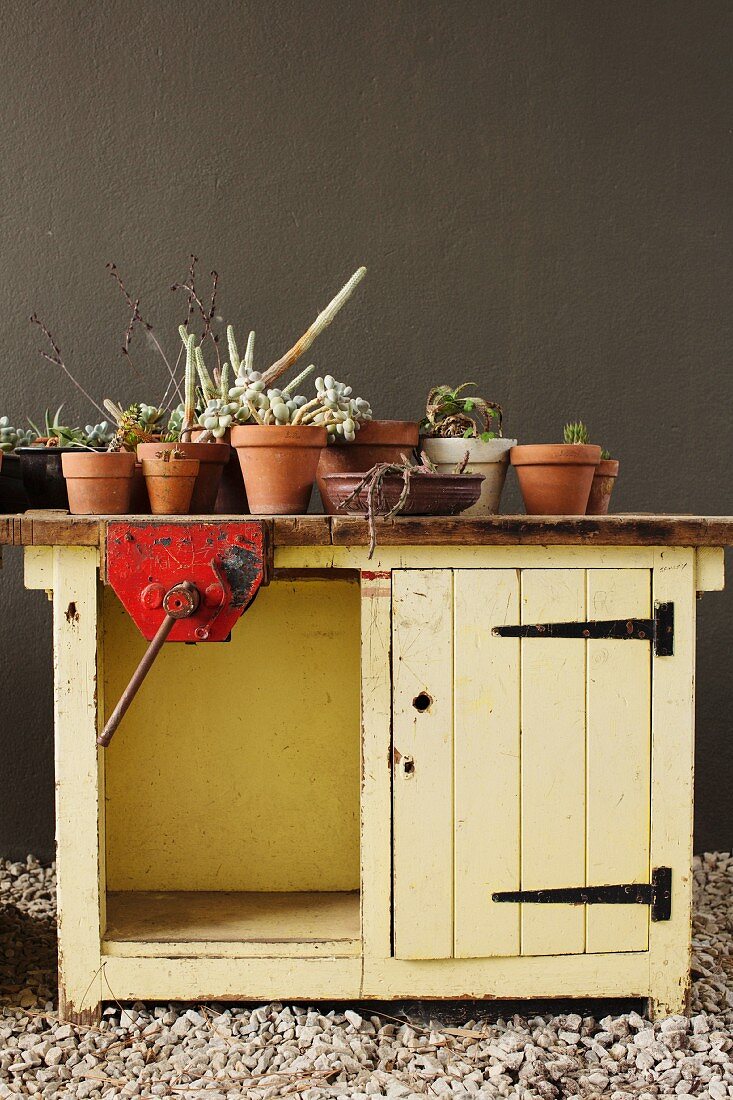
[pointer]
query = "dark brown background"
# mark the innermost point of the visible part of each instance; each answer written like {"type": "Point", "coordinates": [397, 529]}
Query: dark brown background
{"type": "Point", "coordinates": [539, 190]}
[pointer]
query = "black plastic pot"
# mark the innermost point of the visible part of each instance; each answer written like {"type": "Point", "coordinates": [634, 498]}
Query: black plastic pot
{"type": "Point", "coordinates": [13, 496]}
{"type": "Point", "coordinates": [42, 476]}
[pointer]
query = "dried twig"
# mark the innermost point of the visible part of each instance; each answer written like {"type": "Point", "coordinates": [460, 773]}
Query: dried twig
{"type": "Point", "coordinates": [58, 360]}
{"type": "Point", "coordinates": [137, 318]}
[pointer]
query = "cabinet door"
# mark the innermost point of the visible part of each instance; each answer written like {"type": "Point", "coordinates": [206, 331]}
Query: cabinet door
{"type": "Point", "coordinates": [518, 764]}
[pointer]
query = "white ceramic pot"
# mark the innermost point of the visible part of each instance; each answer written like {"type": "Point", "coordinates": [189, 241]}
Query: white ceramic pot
{"type": "Point", "coordinates": [490, 458]}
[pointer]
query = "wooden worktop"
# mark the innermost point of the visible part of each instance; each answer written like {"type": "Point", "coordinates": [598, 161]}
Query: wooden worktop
{"type": "Point", "coordinates": [52, 528]}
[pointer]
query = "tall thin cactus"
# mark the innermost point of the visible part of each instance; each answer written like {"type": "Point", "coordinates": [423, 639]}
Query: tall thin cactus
{"type": "Point", "coordinates": [189, 406]}
{"type": "Point", "coordinates": [323, 319]}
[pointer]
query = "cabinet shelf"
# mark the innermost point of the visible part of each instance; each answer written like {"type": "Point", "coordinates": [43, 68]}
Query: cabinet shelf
{"type": "Point", "coordinates": [238, 924]}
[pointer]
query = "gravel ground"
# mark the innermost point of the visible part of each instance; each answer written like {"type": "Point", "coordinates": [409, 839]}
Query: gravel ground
{"type": "Point", "coordinates": [314, 1054]}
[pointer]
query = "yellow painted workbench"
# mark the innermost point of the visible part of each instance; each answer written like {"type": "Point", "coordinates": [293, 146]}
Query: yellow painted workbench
{"type": "Point", "coordinates": [325, 806]}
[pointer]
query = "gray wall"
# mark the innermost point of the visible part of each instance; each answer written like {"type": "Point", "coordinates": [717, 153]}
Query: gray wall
{"type": "Point", "coordinates": [539, 190]}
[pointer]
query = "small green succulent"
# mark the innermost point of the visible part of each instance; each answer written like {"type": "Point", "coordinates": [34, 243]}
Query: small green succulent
{"type": "Point", "coordinates": [11, 437]}
{"type": "Point", "coordinates": [575, 433]}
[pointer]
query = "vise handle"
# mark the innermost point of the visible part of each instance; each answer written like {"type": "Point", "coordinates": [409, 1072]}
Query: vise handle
{"type": "Point", "coordinates": [179, 602]}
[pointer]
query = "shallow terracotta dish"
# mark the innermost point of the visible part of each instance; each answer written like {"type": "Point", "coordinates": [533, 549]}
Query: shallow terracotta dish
{"type": "Point", "coordinates": [428, 495]}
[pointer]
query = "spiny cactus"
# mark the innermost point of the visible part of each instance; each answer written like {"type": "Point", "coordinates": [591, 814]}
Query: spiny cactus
{"type": "Point", "coordinates": [575, 433]}
{"type": "Point", "coordinates": [11, 437]}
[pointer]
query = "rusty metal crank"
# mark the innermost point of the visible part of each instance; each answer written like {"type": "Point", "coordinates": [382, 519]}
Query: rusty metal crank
{"type": "Point", "coordinates": [179, 602]}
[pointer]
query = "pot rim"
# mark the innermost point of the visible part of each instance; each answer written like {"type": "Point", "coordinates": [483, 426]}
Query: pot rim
{"type": "Point", "coordinates": [121, 464]}
{"type": "Point", "coordinates": [182, 467]}
{"type": "Point", "coordinates": [352, 476]}
{"type": "Point", "coordinates": [555, 454]}
{"type": "Point", "coordinates": [219, 452]}
{"type": "Point", "coordinates": [607, 467]}
{"type": "Point", "coordinates": [499, 446]}
{"type": "Point", "coordinates": [371, 433]}
{"type": "Point", "coordinates": [60, 450]}
{"type": "Point", "coordinates": [279, 435]}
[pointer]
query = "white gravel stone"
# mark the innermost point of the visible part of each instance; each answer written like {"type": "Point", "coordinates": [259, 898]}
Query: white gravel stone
{"type": "Point", "coordinates": [280, 1050]}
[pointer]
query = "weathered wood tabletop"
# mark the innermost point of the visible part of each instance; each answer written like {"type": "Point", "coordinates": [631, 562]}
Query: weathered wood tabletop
{"type": "Point", "coordinates": [54, 528]}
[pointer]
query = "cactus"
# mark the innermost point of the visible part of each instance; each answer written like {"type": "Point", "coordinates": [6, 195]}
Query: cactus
{"type": "Point", "coordinates": [189, 399]}
{"type": "Point", "coordinates": [575, 433]}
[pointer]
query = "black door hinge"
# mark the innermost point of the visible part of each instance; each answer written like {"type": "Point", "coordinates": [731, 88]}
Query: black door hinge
{"type": "Point", "coordinates": [659, 630]}
{"type": "Point", "coordinates": [657, 894]}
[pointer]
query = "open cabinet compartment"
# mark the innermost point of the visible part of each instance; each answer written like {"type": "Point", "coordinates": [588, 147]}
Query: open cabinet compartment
{"type": "Point", "coordinates": [231, 790]}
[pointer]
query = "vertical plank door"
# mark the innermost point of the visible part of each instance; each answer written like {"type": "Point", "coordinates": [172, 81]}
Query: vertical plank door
{"type": "Point", "coordinates": [618, 759]}
{"type": "Point", "coordinates": [422, 717]}
{"type": "Point", "coordinates": [553, 761]}
{"type": "Point", "coordinates": [487, 762]}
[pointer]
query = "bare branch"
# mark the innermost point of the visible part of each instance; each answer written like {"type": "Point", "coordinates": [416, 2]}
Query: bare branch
{"type": "Point", "coordinates": [58, 360]}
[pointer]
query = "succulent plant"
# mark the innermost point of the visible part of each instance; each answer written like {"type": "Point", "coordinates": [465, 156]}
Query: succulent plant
{"type": "Point", "coordinates": [99, 435]}
{"type": "Point", "coordinates": [450, 413]}
{"type": "Point", "coordinates": [172, 432]}
{"type": "Point", "coordinates": [135, 424]}
{"type": "Point", "coordinates": [605, 455]}
{"type": "Point", "coordinates": [11, 437]}
{"type": "Point", "coordinates": [56, 434]}
{"type": "Point", "coordinates": [575, 433]}
{"type": "Point", "coordinates": [341, 413]}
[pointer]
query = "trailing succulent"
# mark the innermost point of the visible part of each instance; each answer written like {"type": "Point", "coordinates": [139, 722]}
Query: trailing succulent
{"type": "Point", "coordinates": [11, 437]}
{"type": "Point", "coordinates": [250, 400]}
{"type": "Point", "coordinates": [452, 414]}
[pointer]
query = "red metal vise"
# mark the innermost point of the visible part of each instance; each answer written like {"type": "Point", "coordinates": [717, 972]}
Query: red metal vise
{"type": "Point", "coordinates": [226, 562]}
{"type": "Point", "coordinates": [183, 582]}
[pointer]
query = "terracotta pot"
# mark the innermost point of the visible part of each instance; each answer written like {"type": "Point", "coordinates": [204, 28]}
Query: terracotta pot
{"type": "Point", "coordinates": [231, 500]}
{"type": "Point", "coordinates": [99, 483]}
{"type": "Point", "coordinates": [489, 457]}
{"type": "Point", "coordinates": [170, 484]}
{"type": "Point", "coordinates": [376, 441]}
{"type": "Point", "coordinates": [555, 478]}
{"type": "Point", "coordinates": [279, 465]}
{"type": "Point", "coordinates": [427, 495]}
{"type": "Point", "coordinates": [604, 480]}
{"type": "Point", "coordinates": [212, 460]}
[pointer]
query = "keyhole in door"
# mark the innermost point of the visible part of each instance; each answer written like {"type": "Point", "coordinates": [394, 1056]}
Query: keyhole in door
{"type": "Point", "coordinates": [422, 702]}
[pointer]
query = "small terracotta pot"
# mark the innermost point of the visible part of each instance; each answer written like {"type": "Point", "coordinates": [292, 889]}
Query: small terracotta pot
{"type": "Point", "coordinates": [604, 480]}
{"type": "Point", "coordinates": [376, 441]}
{"type": "Point", "coordinates": [99, 483]}
{"type": "Point", "coordinates": [279, 465]}
{"type": "Point", "coordinates": [555, 478]}
{"type": "Point", "coordinates": [231, 500]}
{"type": "Point", "coordinates": [170, 484]}
{"type": "Point", "coordinates": [212, 460]}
